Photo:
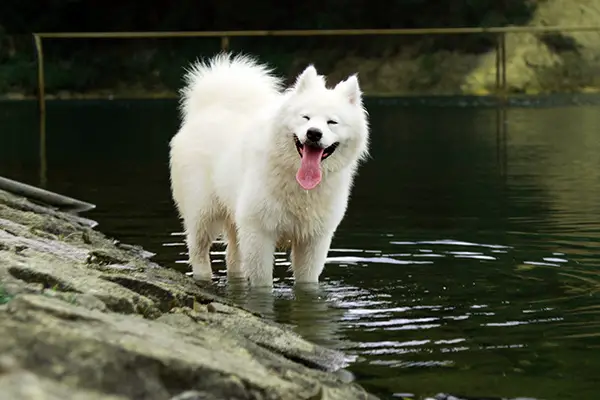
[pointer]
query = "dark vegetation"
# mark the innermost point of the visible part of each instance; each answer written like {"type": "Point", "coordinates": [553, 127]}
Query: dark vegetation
{"type": "Point", "coordinates": [156, 64]}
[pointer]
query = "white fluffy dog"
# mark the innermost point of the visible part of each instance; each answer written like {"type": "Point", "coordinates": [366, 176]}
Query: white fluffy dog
{"type": "Point", "coordinates": [264, 165]}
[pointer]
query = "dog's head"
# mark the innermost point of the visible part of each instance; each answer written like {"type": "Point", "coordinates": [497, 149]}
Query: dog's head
{"type": "Point", "coordinates": [328, 128]}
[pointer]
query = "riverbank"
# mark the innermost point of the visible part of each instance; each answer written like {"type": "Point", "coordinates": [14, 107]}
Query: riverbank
{"type": "Point", "coordinates": [86, 317]}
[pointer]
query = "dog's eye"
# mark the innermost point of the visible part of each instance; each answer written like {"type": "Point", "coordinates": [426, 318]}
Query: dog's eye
{"type": "Point", "coordinates": [332, 122]}
{"type": "Point", "coordinates": [306, 117]}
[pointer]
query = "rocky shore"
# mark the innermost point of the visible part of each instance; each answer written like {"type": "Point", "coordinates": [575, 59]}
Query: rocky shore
{"type": "Point", "coordinates": [85, 317]}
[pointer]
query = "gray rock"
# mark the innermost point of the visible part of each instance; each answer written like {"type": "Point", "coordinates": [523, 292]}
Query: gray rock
{"type": "Point", "coordinates": [194, 395]}
{"type": "Point", "coordinates": [27, 386]}
{"type": "Point", "coordinates": [135, 357]}
{"type": "Point", "coordinates": [77, 325]}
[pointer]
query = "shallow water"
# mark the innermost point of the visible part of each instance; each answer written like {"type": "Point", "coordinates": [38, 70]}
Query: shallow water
{"type": "Point", "coordinates": [467, 262]}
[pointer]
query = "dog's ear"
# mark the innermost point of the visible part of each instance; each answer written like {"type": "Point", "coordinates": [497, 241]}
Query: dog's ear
{"type": "Point", "coordinates": [350, 89]}
{"type": "Point", "coordinates": [308, 78]}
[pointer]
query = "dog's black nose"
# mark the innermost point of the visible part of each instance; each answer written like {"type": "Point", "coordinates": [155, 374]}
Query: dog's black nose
{"type": "Point", "coordinates": [314, 135]}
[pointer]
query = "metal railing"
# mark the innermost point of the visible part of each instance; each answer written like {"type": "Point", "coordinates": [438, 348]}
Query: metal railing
{"type": "Point", "coordinates": [224, 37]}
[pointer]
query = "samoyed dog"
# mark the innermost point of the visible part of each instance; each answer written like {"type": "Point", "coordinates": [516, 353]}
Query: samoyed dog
{"type": "Point", "coordinates": [264, 165]}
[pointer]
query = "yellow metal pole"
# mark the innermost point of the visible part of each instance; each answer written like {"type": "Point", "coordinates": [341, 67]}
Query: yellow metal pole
{"type": "Point", "coordinates": [503, 63]}
{"type": "Point", "coordinates": [498, 64]}
{"type": "Point", "coordinates": [224, 43]}
{"type": "Point", "coordinates": [320, 32]}
{"type": "Point", "coordinates": [42, 109]}
{"type": "Point", "coordinates": [498, 96]}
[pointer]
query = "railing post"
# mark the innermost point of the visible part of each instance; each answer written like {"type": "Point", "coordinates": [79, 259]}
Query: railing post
{"type": "Point", "coordinates": [501, 84]}
{"type": "Point", "coordinates": [42, 108]}
{"type": "Point", "coordinates": [497, 51]}
{"type": "Point", "coordinates": [503, 63]}
{"type": "Point", "coordinates": [224, 43]}
{"type": "Point", "coordinates": [502, 95]}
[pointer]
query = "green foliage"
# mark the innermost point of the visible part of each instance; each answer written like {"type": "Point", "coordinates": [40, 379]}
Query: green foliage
{"type": "Point", "coordinates": [83, 65]}
{"type": "Point", "coordinates": [17, 75]}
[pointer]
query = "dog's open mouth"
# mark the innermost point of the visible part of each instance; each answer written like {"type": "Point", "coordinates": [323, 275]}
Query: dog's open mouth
{"type": "Point", "coordinates": [326, 153]}
{"type": "Point", "coordinates": [309, 174]}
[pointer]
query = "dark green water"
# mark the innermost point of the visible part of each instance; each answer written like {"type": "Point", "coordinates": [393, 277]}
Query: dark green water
{"type": "Point", "coordinates": [467, 263]}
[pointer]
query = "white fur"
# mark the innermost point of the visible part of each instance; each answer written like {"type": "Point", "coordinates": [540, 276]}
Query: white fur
{"type": "Point", "coordinates": [234, 160]}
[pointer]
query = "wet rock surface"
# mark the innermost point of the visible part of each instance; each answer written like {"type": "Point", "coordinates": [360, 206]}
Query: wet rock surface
{"type": "Point", "coordinates": [85, 317]}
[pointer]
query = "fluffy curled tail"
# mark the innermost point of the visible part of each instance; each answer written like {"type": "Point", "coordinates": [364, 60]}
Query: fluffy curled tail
{"type": "Point", "coordinates": [238, 83]}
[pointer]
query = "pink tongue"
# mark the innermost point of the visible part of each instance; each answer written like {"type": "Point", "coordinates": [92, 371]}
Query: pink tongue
{"type": "Point", "coordinates": [309, 173]}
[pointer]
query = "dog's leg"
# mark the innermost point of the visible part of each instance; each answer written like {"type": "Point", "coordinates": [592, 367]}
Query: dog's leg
{"type": "Point", "coordinates": [308, 258]}
{"type": "Point", "coordinates": [200, 234]}
{"type": "Point", "coordinates": [232, 253]}
{"type": "Point", "coordinates": [257, 247]}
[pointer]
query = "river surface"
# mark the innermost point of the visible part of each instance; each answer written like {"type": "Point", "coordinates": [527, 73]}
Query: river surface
{"type": "Point", "coordinates": [467, 262]}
